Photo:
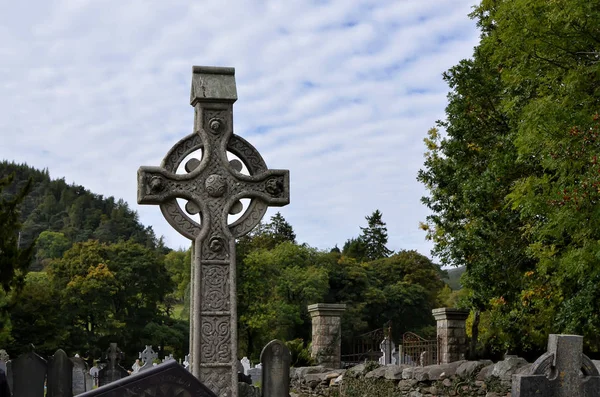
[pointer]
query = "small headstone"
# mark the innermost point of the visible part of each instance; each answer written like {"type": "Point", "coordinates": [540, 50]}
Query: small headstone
{"type": "Point", "coordinates": [60, 375]}
{"type": "Point", "coordinates": [113, 371]}
{"type": "Point", "coordinates": [79, 376]}
{"type": "Point", "coordinates": [28, 374]}
{"type": "Point", "coordinates": [168, 358]}
{"type": "Point", "coordinates": [275, 359]}
{"type": "Point", "coordinates": [3, 359]}
{"type": "Point", "coordinates": [387, 348]}
{"type": "Point", "coordinates": [186, 362]}
{"type": "Point", "coordinates": [256, 375]}
{"type": "Point", "coordinates": [94, 371]}
{"type": "Point", "coordinates": [148, 356]}
{"type": "Point", "coordinates": [169, 379]}
{"type": "Point", "coordinates": [563, 371]}
{"type": "Point", "coordinates": [246, 364]}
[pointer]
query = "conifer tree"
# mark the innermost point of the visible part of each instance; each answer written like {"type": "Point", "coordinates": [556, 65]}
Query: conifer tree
{"type": "Point", "coordinates": [14, 259]}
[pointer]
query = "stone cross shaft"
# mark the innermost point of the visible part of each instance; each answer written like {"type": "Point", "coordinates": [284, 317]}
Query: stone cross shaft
{"type": "Point", "coordinates": [213, 187]}
{"type": "Point", "coordinates": [563, 371]}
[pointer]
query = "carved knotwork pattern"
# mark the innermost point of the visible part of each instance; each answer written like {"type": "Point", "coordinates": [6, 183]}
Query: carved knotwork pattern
{"type": "Point", "coordinates": [254, 162]}
{"type": "Point", "coordinates": [215, 288]}
{"type": "Point", "coordinates": [218, 380]}
{"type": "Point", "coordinates": [216, 335]}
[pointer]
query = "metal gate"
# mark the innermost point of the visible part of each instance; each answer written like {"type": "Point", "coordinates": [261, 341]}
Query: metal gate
{"type": "Point", "coordinates": [364, 347]}
{"type": "Point", "coordinates": [418, 351]}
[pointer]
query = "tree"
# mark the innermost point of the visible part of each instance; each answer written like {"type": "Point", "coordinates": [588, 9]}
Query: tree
{"type": "Point", "coordinates": [14, 259]}
{"type": "Point", "coordinates": [275, 286]}
{"type": "Point", "coordinates": [375, 237]}
{"type": "Point", "coordinates": [371, 244]}
{"type": "Point", "coordinates": [512, 183]}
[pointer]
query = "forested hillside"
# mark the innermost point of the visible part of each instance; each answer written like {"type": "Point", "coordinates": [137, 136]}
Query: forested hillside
{"type": "Point", "coordinates": [60, 214]}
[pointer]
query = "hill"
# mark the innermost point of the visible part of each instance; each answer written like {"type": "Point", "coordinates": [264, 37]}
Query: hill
{"type": "Point", "coordinates": [58, 215]}
{"type": "Point", "coordinates": [453, 279]}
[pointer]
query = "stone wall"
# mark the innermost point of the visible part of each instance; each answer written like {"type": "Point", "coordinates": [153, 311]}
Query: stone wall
{"type": "Point", "coordinates": [461, 378]}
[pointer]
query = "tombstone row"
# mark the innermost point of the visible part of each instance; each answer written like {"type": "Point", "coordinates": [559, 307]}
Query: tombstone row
{"type": "Point", "coordinates": [61, 376]}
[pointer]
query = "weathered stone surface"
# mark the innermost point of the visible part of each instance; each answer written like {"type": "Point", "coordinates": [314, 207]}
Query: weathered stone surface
{"type": "Point", "coordinates": [213, 187]}
{"type": "Point", "coordinates": [326, 333]}
{"type": "Point", "coordinates": [451, 333]}
{"type": "Point", "coordinates": [168, 379]}
{"type": "Point", "coordinates": [506, 368]}
{"type": "Point", "coordinates": [563, 371]}
{"type": "Point", "coordinates": [275, 359]}
{"type": "Point", "coordinates": [469, 368]}
{"type": "Point", "coordinates": [60, 375]}
{"type": "Point", "coordinates": [28, 375]}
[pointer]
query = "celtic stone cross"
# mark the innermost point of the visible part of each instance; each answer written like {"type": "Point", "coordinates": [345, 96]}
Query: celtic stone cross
{"type": "Point", "coordinates": [213, 187]}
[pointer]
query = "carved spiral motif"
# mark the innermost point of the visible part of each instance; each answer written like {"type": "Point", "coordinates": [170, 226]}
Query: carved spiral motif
{"type": "Point", "coordinates": [274, 187]}
{"type": "Point", "coordinates": [216, 244]}
{"type": "Point", "coordinates": [215, 125]}
{"type": "Point", "coordinates": [156, 184]}
{"type": "Point", "coordinates": [215, 185]}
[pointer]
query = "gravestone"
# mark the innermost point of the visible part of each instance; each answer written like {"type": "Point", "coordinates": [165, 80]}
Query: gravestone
{"type": "Point", "coordinates": [387, 348]}
{"type": "Point", "coordinates": [166, 380]}
{"type": "Point", "coordinates": [213, 187]}
{"type": "Point", "coordinates": [94, 371]}
{"type": "Point", "coordinates": [28, 375]}
{"type": "Point", "coordinates": [113, 371]}
{"type": "Point", "coordinates": [4, 357]}
{"type": "Point", "coordinates": [60, 375]}
{"type": "Point", "coordinates": [275, 359]}
{"type": "Point", "coordinates": [563, 371]}
{"type": "Point", "coordinates": [148, 356]}
{"type": "Point", "coordinates": [81, 376]}
{"type": "Point", "coordinates": [245, 364]}
{"type": "Point", "coordinates": [186, 362]}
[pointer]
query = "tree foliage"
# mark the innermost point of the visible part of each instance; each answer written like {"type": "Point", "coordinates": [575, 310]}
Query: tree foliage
{"type": "Point", "coordinates": [14, 256]}
{"type": "Point", "coordinates": [514, 181]}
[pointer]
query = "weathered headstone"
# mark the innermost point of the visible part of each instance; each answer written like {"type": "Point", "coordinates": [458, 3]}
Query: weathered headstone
{"type": "Point", "coordinates": [245, 364]}
{"type": "Point", "coordinates": [29, 374]}
{"type": "Point", "coordinates": [275, 359]}
{"type": "Point", "coordinates": [60, 375]}
{"type": "Point", "coordinates": [94, 371]}
{"type": "Point", "coordinates": [213, 187]}
{"type": "Point", "coordinates": [4, 357]}
{"type": "Point", "coordinates": [563, 371]}
{"type": "Point", "coordinates": [166, 380]}
{"type": "Point", "coordinates": [387, 348]}
{"type": "Point", "coordinates": [80, 376]}
{"type": "Point", "coordinates": [148, 356]}
{"type": "Point", "coordinates": [113, 370]}
{"type": "Point", "coordinates": [186, 362]}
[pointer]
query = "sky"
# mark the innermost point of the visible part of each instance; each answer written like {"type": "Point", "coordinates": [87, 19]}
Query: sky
{"type": "Point", "coordinates": [340, 92]}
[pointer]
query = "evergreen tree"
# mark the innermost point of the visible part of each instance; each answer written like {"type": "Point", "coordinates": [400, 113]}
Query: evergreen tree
{"type": "Point", "coordinates": [375, 237]}
{"type": "Point", "coordinates": [14, 259]}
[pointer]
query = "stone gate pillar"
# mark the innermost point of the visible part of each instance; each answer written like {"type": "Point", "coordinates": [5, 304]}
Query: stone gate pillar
{"type": "Point", "coordinates": [327, 333]}
{"type": "Point", "coordinates": [451, 333]}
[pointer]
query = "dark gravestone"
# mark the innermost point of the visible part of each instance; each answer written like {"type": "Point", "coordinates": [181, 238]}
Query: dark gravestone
{"type": "Point", "coordinates": [165, 380]}
{"type": "Point", "coordinates": [80, 376]}
{"type": "Point", "coordinates": [60, 375]}
{"type": "Point", "coordinates": [563, 371]}
{"type": "Point", "coordinates": [113, 371]}
{"type": "Point", "coordinates": [275, 359]}
{"type": "Point", "coordinates": [28, 374]}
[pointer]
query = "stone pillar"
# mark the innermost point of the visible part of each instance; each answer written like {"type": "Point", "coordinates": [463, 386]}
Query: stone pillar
{"type": "Point", "coordinates": [327, 333]}
{"type": "Point", "coordinates": [451, 333]}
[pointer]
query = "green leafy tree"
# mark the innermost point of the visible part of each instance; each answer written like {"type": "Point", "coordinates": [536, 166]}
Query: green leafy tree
{"type": "Point", "coordinates": [514, 177]}
{"type": "Point", "coordinates": [275, 286]}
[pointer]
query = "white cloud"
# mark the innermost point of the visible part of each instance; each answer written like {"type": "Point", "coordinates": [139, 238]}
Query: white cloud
{"type": "Point", "coordinates": [339, 92]}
